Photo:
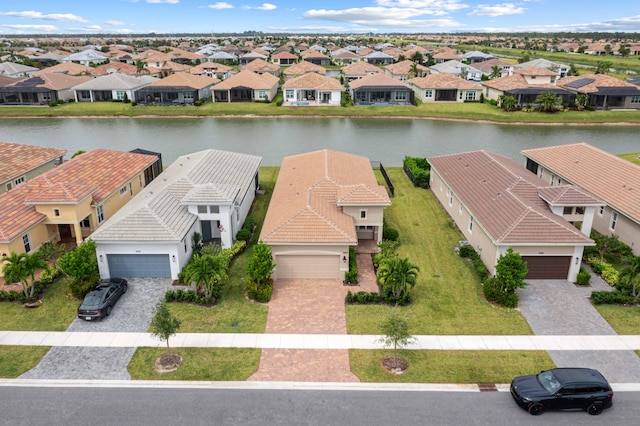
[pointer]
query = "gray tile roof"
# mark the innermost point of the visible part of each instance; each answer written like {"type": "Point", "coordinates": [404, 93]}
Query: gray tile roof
{"type": "Point", "coordinates": [116, 81]}
{"type": "Point", "coordinates": [160, 213]}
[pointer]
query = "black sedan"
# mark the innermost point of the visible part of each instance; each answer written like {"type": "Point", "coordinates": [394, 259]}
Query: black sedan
{"type": "Point", "coordinates": [101, 297]}
{"type": "Point", "coordinates": [563, 389]}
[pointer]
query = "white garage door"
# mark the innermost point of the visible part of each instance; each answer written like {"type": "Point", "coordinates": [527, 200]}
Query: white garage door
{"type": "Point", "coordinates": [139, 265]}
{"type": "Point", "coordinates": [311, 266]}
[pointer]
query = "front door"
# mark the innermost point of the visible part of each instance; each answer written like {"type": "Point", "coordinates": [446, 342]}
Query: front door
{"type": "Point", "coordinates": [206, 230]}
{"type": "Point", "coordinates": [65, 232]}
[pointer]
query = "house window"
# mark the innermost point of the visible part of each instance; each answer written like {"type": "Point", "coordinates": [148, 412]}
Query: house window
{"type": "Point", "coordinates": [614, 220]}
{"type": "Point", "coordinates": [635, 99]}
{"type": "Point", "coordinates": [289, 94]}
{"type": "Point", "coordinates": [56, 212]}
{"type": "Point", "coordinates": [601, 210]}
{"type": "Point", "coordinates": [470, 96]}
{"type": "Point", "coordinates": [460, 208]}
{"type": "Point", "coordinates": [123, 190]}
{"type": "Point", "coordinates": [120, 94]}
{"type": "Point", "coordinates": [567, 210]}
{"type": "Point", "coordinates": [262, 94]}
{"type": "Point", "coordinates": [131, 189]}
{"type": "Point", "coordinates": [140, 181]}
{"type": "Point", "coordinates": [460, 95]}
{"type": "Point", "coordinates": [19, 181]}
{"type": "Point", "coordinates": [214, 209]}
{"type": "Point", "coordinates": [202, 209]}
{"type": "Point", "coordinates": [26, 241]}
{"type": "Point", "coordinates": [100, 213]}
{"type": "Point", "coordinates": [553, 177]}
{"type": "Point", "coordinates": [428, 93]}
{"type": "Point", "coordinates": [187, 96]}
{"type": "Point", "coordinates": [401, 96]}
{"type": "Point", "coordinates": [579, 210]}
{"type": "Point", "coordinates": [470, 223]}
{"type": "Point", "coordinates": [363, 214]}
{"type": "Point", "coordinates": [84, 94]}
{"type": "Point", "coordinates": [450, 196]}
{"type": "Point", "coordinates": [85, 224]}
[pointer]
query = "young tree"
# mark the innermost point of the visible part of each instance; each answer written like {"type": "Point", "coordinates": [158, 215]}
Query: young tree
{"type": "Point", "coordinates": [81, 262]}
{"type": "Point", "coordinates": [395, 330]}
{"type": "Point", "coordinates": [548, 100]}
{"type": "Point", "coordinates": [602, 67]}
{"type": "Point", "coordinates": [260, 265]}
{"type": "Point", "coordinates": [397, 275]}
{"type": "Point", "coordinates": [164, 324]}
{"type": "Point", "coordinates": [22, 268]}
{"type": "Point", "coordinates": [581, 100]}
{"type": "Point", "coordinates": [208, 272]}
{"type": "Point", "coordinates": [510, 271]}
{"type": "Point", "coordinates": [414, 70]}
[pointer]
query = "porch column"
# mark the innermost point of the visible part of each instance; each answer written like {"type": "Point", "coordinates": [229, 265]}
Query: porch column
{"type": "Point", "coordinates": [228, 95]}
{"type": "Point", "coordinates": [78, 232]}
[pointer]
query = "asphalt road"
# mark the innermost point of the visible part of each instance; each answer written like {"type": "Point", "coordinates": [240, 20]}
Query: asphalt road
{"type": "Point", "coordinates": [148, 406]}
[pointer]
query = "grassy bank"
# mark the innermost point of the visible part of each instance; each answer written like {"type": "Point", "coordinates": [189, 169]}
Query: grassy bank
{"type": "Point", "coordinates": [450, 111]}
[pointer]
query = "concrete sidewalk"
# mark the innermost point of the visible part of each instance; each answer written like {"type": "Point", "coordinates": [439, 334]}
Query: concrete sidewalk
{"type": "Point", "coordinates": [321, 341]}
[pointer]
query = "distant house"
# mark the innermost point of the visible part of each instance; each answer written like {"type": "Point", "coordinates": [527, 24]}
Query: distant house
{"type": "Point", "coordinates": [476, 56]}
{"type": "Point", "coordinates": [177, 89]}
{"type": "Point", "coordinates": [359, 70]}
{"type": "Point", "coordinates": [213, 70]}
{"type": "Point", "coordinates": [251, 56]}
{"type": "Point", "coordinates": [69, 68]}
{"type": "Point", "coordinates": [71, 200]}
{"type": "Point", "coordinates": [115, 67]}
{"type": "Point", "coordinates": [21, 163]}
{"type": "Point", "coordinates": [284, 59]}
{"type": "Point", "coordinates": [209, 192]}
{"type": "Point", "coordinates": [604, 175]}
{"type": "Point", "coordinates": [446, 54]}
{"type": "Point", "coordinates": [108, 88]}
{"type": "Point", "coordinates": [457, 69]}
{"type": "Point", "coordinates": [11, 69]}
{"type": "Point", "coordinates": [525, 85]}
{"type": "Point", "coordinates": [312, 89]}
{"type": "Point", "coordinates": [86, 57]}
{"type": "Point", "coordinates": [302, 68]}
{"type": "Point", "coordinates": [404, 70]}
{"type": "Point", "coordinates": [497, 204]}
{"type": "Point", "coordinates": [444, 87]}
{"type": "Point", "coordinates": [561, 70]}
{"type": "Point", "coordinates": [323, 203]}
{"type": "Point", "coordinates": [380, 89]}
{"type": "Point", "coordinates": [246, 86]}
{"type": "Point", "coordinates": [344, 57]}
{"type": "Point", "coordinates": [260, 66]}
{"type": "Point", "coordinates": [223, 57]}
{"type": "Point", "coordinates": [604, 91]}
{"type": "Point", "coordinates": [41, 89]}
{"type": "Point", "coordinates": [315, 57]}
{"type": "Point", "coordinates": [379, 58]}
{"type": "Point", "coordinates": [487, 67]}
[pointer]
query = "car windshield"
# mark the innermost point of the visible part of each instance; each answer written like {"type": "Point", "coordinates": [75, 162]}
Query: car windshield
{"type": "Point", "coordinates": [548, 381]}
{"type": "Point", "coordinates": [92, 299]}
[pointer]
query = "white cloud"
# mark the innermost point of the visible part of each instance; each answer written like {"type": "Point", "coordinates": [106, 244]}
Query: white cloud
{"type": "Point", "coordinates": [163, 1]}
{"type": "Point", "coordinates": [265, 6]}
{"type": "Point", "coordinates": [114, 23]}
{"type": "Point", "coordinates": [381, 16]}
{"type": "Point", "coordinates": [497, 10]}
{"type": "Point", "coordinates": [219, 5]}
{"type": "Point", "coordinates": [88, 29]}
{"type": "Point", "coordinates": [43, 28]}
{"type": "Point", "coordinates": [627, 24]}
{"type": "Point", "coordinates": [434, 5]}
{"type": "Point", "coordinates": [321, 29]}
{"type": "Point", "coordinates": [30, 14]}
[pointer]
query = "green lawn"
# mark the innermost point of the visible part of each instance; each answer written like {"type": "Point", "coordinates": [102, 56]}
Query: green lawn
{"type": "Point", "coordinates": [219, 364]}
{"type": "Point", "coordinates": [623, 319]}
{"type": "Point", "coordinates": [634, 157]}
{"type": "Point", "coordinates": [447, 297]}
{"type": "Point", "coordinates": [55, 314]}
{"type": "Point", "coordinates": [16, 360]}
{"type": "Point", "coordinates": [458, 111]}
{"type": "Point", "coordinates": [449, 366]}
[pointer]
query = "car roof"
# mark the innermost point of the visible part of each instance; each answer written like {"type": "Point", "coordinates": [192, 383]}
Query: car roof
{"type": "Point", "coordinates": [573, 375]}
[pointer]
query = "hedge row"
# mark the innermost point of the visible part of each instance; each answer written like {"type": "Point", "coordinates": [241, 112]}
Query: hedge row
{"type": "Point", "coordinates": [418, 170]}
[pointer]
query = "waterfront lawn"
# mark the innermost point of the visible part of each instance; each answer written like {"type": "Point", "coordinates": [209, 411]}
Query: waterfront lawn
{"type": "Point", "coordinates": [448, 297]}
{"type": "Point", "coordinates": [16, 360]}
{"type": "Point", "coordinates": [234, 314]}
{"type": "Point", "coordinates": [634, 157]}
{"type": "Point", "coordinates": [623, 319]}
{"type": "Point", "coordinates": [215, 364]}
{"type": "Point", "coordinates": [55, 314]}
{"type": "Point", "coordinates": [436, 366]}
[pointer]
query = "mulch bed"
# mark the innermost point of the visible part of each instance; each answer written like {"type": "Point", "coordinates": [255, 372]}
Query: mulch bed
{"type": "Point", "coordinates": [168, 362]}
{"type": "Point", "coordinates": [394, 365]}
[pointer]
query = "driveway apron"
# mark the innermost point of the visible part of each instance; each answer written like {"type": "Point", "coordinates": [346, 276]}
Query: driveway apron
{"type": "Point", "coordinates": [132, 313]}
{"type": "Point", "coordinates": [557, 307]}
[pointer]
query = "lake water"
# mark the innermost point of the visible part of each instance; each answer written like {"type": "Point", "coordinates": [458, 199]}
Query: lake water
{"type": "Point", "coordinates": [385, 140]}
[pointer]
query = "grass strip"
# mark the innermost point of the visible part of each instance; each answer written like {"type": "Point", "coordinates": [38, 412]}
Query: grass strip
{"type": "Point", "coordinates": [17, 360]}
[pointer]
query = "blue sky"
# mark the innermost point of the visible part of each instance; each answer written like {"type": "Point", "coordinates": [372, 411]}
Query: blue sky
{"type": "Point", "coordinates": [323, 16]}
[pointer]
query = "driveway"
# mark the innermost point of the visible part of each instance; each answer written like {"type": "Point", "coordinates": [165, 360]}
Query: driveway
{"type": "Point", "coordinates": [557, 307]}
{"type": "Point", "coordinates": [132, 313]}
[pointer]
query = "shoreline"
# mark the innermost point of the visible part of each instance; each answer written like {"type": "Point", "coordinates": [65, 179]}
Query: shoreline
{"type": "Point", "coordinates": [403, 117]}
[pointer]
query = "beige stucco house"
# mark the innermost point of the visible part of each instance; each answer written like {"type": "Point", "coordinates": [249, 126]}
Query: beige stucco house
{"type": "Point", "coordinates": [322, 204]}
{"type": "Point", "coordinates": [21, 163]}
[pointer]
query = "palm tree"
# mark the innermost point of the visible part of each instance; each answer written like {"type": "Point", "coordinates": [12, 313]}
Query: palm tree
{"type": "Point", "coordinates": [496, 72]}
{"type": "Point", "coordinates": [581, 100]}
{"type": "Point", "coordinates": [414, 70]}
{"type": "Point", "coordinates": [507, 102]}
{"type": "Point", "coordinates": [208, 272]}
{"type": "Point", "coordinates": [397, 275]}
{"type": "Point", "coordinates": [549, 101]}
{"type": "Point", "coordinates": [630, 274]}
{"type": "Point", "coordinates": [22, 268]}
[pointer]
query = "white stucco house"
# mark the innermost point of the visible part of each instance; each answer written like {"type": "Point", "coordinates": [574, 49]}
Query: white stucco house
{"type": "Point", "coordinates": [209, 192]}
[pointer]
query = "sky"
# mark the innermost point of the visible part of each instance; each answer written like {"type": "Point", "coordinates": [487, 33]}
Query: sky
{"type": "Point", "coordinates": [315, 16]}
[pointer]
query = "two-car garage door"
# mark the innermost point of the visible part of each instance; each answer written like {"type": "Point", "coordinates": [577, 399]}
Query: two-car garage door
{"type": "Point", "coordinates": [308, 266]}
{"type": "Point", "coordinates": [547, 267]}
{"type": "Point", "coordinates": [139, 265]}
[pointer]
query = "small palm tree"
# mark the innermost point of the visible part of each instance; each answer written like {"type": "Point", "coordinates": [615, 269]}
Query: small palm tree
{"type": "Point", "coordinates": [630, 275]}
{"type": "Point", "coordinates": [208, 272]}
{"type": "Point", "coordinates": [496, 72]}
{"type": "Point", "coordinates": [507, 102]}
{"type": "Point", "coordinates": [22, 268]}
{"type": "Point", "coordinates": [414, 70]}
{"type": "Point", "coordinates": [397, 275]}
{"type": "Point", "coordinates": [548, 100]}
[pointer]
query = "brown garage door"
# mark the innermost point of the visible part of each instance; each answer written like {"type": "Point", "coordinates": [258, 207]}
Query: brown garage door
{"type": "Point", "coordinates": [547, 267]}
{"type": "Point", "coordinates": [308, 266]}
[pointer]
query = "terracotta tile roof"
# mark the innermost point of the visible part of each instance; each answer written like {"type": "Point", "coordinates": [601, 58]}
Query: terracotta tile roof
{"type": "Point", "coordinates": [303, 68]}
{"type": "Point", "coordinates": [115, 67]}
{"type": "Point", "coordinates": [513, 82]}
{"type": "Point", "coordinates": [443, 81]}
{"type": "Point", "coordinates": [535, 71]}
{"type": "Point", "coordinates": [248, 79]}
{"type": "Point", "coordinates": [183, 79]}
{"type": "Point", "coordinates": [305, 207]}
{"type": "Point", "coordinates": [568, 195]}
{"type": "Point", "coordinates": [315, 81]}
{"type": "Point", "coordinates": [53, 81]}
{"type": "Point", "coordinates": [70, 68]}
{"type": "Point", "coordinates": [311, 53]}
{"type": "Point", "coordinates": [404, 67]}
{"type": "Point", "coordinates": [102, 169]}
{"type": "Point", "coordinates": [261, 65]}
{"type": "Point", "coordinates": [213, 66]}
{"type": "Point", "coordinates": [502, 196]}
{"type": "Point", "coordinates": [592, 82]}
{"type": "Point", "coordinates": [284, 55]}
{"type": "Point", "coordinates": [610, 178]}
{"type": "Point", "coordinates": [17, 159]}
{"type": "Point", "coordinates": [360, 68]}
{"type": "Point", "coordinates": [377, 80]}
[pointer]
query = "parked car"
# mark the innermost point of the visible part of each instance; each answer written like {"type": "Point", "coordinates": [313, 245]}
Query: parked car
{"type": "Point", "coordinates": [101, 298]}
{"type": "Point", "coordinates": [563, 389]}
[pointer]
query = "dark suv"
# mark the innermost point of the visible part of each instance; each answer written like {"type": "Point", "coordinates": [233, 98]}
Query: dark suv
{"type": "Point", "coordinates": [101, 297]}
{"type": "Point", "coordinates": [563, 389]}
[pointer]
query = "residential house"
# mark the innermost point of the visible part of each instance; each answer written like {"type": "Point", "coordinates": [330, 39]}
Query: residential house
{"type": "Point", "coordinates": [344, 57]}
{"type": "Point", "coordinates": [177, 89]}
{"type": "Point", "coordinates": [208, 192]}
{"type": "Point", "coordinates": [446, 54]}
{"type": "Point", "coordinates": [487, 67]}
{"type": "Point", "coordinates": [110, 87]}
{"type": "Point", "coordinates": [405, 70]}
{"type": "Point", "coordinates": [312, 89]}
{"type": "Point", "coordinates": [260, 66]}
{"type": "Point", "coordinates": [604, 91]}
{"type": "Point", "coordinates": [69, 68]}
{"type": "Point", "coordinates": [315, 57]}
{"type": "Point", "coordinates": [359, 70]}
{"type": "Point", "coordinates": [223, 57]}
{"type": "Point", "coordinates": [284, 59]}
{"type": "Point", "coordinates": [497, 204]}
{"type": "Point", "coordinates": [476, 56]}
{"type": "Point", "coordinates": [212, 69]}
{"type": "Point", "coordinates": [115, 67]}
{"type": "Point", "coordinates": [323, 203]}
{"type": "Point", "coordinates": [302, 68]}
{"type": "Point", "coordinates": [525, 85]}
{"type": "Point", "coordinates": [247, 86]}
{"type": "Point", "coordinates": [251, 56]}
{"type": "Point", "coordinates": [21, 163]}
{"type": "Point", "coordinates": [13, 70]}
{"type": "Point", "coordinates": [86, 57]}
{"type": "Point", "coordinates": [380, 89]}
{"type": "Point", "coordinates": [561, 70]}
{"type": "Point", "coordinates": [71, 200]}
{"type": "Point", "coordinates": [41, 89]}
{"type": "Point", "coordinates": [601, 174]}
{"type": "Point", "coordinates": [444, 87]}
{"type": "Point", "coordinates": [378, 58]}
{"type": "Point", "coordinates": [457, 69]}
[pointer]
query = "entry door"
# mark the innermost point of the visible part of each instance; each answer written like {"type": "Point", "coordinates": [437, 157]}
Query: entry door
{"type": "Point", "coordinates": [206, 230]}
{"type": "Point", "coordinates": [65, 231]}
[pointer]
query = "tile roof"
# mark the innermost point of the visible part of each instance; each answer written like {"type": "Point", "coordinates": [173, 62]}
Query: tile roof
{"type": "Point", "coordinates": [183, 79]}
{"type": "Point", "coordinates": [99, 171]}
{"type": "Point", "coordinates": [592, 83]}
{"type": "Point", "coordinates": [51, 81]}
{"type": "Point", "coordinates": [606, 176]}
{"type": "Point", "coordinates": [377, 80]}
{"type": "Point", "coordinates": [70, 68]}
{"type": "Point", "coordinates": [360, 68]}
{"type": "Point", "coordinates": [535, 71]}
{"type": "Point", "coordinates": [210, 66]}
{"type": "Point", "coordinates": [311, 187]}
{"type": "Point", "coordinates": [313, 80]}
{"type": "Point", "coordinates": [160, 211]}
{"type": "Point", "coordinates": [513, 82]}
{"type": "Point", "coordinates": [404, 67]}
{"type": "Point", "coordinates": [115, 67]}
{"type": "Point", "coordinates": [502, 196]}
{"type": "Point", "coordinates": [261, 65]}
{"type": "Point", "coordinates": [116, 81]}
{"type": "Point", "coordinates": [303, 68]}
{"type": "Point", "coordinates": [284, 55]}
{"type": "Point", "coordinates": [248, 79]}
{"type": "Point", "coordinates": [443, 81]}
{"type": "Point", "coordinates": [18, 159]}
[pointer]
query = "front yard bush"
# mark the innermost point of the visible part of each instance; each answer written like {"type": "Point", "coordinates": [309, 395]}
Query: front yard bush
{"type": "Point", "coordinates": [610, 298]}
{"type": "Point", "coordinates": [470, 253]}
{"type": "Point", "coordinates": [351, 276]}
{"type": "Point", "coordinates": [185, 296]}
{"type": "Point", "coordinates": [261, 293]}
{"type": "Point", "coordinates": [79, 288]}
{"type": "Point", "coordinates": [583, 277]}
{"type": "Point", "coordinates": [493, 292]}
{"type": "Point", "coordinates": [389, 233]}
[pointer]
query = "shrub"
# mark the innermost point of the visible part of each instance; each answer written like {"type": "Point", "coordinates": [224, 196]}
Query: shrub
{"type": "Point", "coordinates": [185, 296]}
{"type": "Point", "coordinates": [491, 290]}
{"type": "Point", "coordinates": [351, 277]}
{"type": "Point", "coordinates": [230, 253]}
{"type": "Point", "coordinates": [259, 292]}
{"type": "Point", "coordinates": [610, 274]}
{"type": "Point", "coordinates": [243, 235]}
{"type": "Point", "coordinates": [60, 101]}
{"type": "Point", "coordinates": [418, 170]}
{"type": "Point", "coordinates": [583, 277]}
{"type": "Point", "coordinates": [470, 253]}
{"type": "Point", "coordinates": [53, 103]}
{"type": "Point", "coordinates": [467, 251]}
{"type": "Point", "coordinates": [79, 288]}
{"type": "Point", "coordinates": [610, 298]}
{"type": "Point", "coordinates": [50, 273]}
{"type": "Point", "coordinates": [389, 233]}
{"type": "Point", "coordinates": [362, 298]}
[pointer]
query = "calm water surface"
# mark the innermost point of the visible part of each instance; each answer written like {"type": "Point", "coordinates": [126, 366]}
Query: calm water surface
{"type": "Point", "coordinates": [385, 140]}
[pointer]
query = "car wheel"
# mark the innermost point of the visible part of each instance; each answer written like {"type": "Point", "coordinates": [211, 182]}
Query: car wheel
{"type": "Point", "coordinates": [536, 409]}
{"type": "Point", "coordinates": [124, 289]}
{"type": "Point", "coordinates": [594, 409]}
{"type": "Point", "coordinates": [108, 310]}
